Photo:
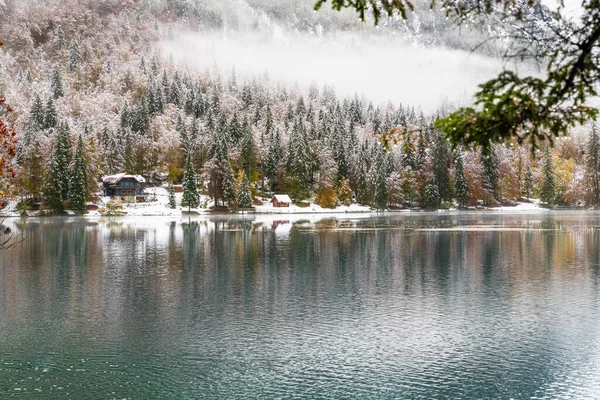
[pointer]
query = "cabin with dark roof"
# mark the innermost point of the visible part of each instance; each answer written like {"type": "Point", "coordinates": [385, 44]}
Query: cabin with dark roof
{"type": "Point", "coordinates": [125, 187]}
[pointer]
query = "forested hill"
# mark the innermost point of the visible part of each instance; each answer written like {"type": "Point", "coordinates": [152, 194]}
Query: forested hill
{"type": "Point", "coordinates": [93, 96]}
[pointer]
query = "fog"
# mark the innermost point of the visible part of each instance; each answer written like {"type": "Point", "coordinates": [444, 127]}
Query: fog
{"type": "Point", "coordinates": [379, 64]}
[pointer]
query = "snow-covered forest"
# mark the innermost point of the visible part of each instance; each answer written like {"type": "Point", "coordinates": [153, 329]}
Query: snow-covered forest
{"type": "Point", "coordinates": [94, 94]}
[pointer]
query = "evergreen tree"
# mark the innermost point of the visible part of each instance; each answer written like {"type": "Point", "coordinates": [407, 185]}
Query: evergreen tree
{"type": "Point", "coordinates": [51, 116]}
{"type": "Point", "coordinates": [191, 198]}
{"type": "Point", "coordinates": [56, 84]}
{"type": "Point", "coordinates": [408, 155]}
{"type": "Point", "coordinates": [140, 122]}
{"type": "Point", "coordinates": [125, 118]}
{"type": "Point", "coordinates": [229, 186]}
{"type": "Point", "coordinates": [78, 182]}
{"type": "Point", "coordinates": [271, 163]}
{"type": "Point", "coordinates": [74, 55]}
{"type": "Point", "coordinates": [269, 121]}
{"type": "Point", "coordinates": [244, 197]}
{"type": "Point", "coordinates": [37, 115]}
{"type": "Point", "coordinates": [592, 166]}
{"type": "Point", "coordinates": [300, 157]}
{"type": "Point", "coordinates": [175, 95]}
{"type": "Point", "coordinates": [56, 188]}
{"type": "Point", "coordinates": [235, 130]}
{"type": "Point", "coordinates": [528, 180]}
{"type": "Point", "coordinates": [421, 152]}
{"type": "Point", "coordinates": [461, 187]}
{"type": "Point", "coordinates": [548, 190]}
{"type": "Point", "coordinates": [490, 171]}
{"type": "Point", "coordinates": [441, 165]}
{"type": "Point", "coordinates": [172, 201]}
{"type": "Point", "coordinates": [431, 196]}
{"type": "Point", "coordinates": [380, 194]}
{"type": "Point", "coordinates": [248, 156]}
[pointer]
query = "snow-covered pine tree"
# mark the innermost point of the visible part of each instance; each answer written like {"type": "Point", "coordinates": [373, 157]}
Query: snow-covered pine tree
{"type": "Point", "coordinates": [548, 189]}
{"type": "Point", "coordinates": [431, 196]}
{"type": "Point", "coordinates": [441, 165]}
{"type": "Point", "coordinates": [592, 164]}
{"type": "Point", "coordinates": [528, 180]}
{"type": "Point", "coordinates": [461, 186]}
{"type": "Point", "coordinates": [235, 130]}
{"type": "Point", "coordinates": [51, 116]}
{"type": "Point", "coordinates": [272, 159]}
{"type": "Point", "coordinates": [191, 198]}
{"type": "Point", "coordinates": [249, 154]}
{"type": "Point", "coordinates": [56, 84]}
{"type": "Point", "coordinates": [64, 154]}
{"type": "Point", "coordinates": [175, 95]}
{"type": "Point", "coordinates": [490, 170]}
{"type": "Point", "coordinates": [380, 193]}
{"type": "Point", "coordinates": [229, 186]}
{"type": "Point", "coordinates": [37, 115]}
{"type": "Point", "coordinates": [408, 154]}
{"type": "Point", "coordinates": [78, 182]}
{"type": "Point", "coordinates": [56, 187]}
{"type": "Point", "coordinates": [172, 201]}
{"type": "Point", "coordinates": [244, 197]}
{"type": "Point", "coordinates": [74, 54]}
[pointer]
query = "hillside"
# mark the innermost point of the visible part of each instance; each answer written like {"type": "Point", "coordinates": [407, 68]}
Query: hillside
{"type": "Point", "coordinates": [99, 71]}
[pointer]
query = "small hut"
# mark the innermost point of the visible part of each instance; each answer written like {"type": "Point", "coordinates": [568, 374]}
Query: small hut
{"type": "Point", "coordinates": [281, 200]}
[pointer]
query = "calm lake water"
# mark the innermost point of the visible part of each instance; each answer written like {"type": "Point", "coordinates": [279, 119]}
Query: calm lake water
{"type": "Point", "coordinates": [411, 306]}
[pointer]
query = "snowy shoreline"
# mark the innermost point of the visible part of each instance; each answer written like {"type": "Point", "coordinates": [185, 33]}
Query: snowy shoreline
{"type": "Point", "coordinates": [160, 210]}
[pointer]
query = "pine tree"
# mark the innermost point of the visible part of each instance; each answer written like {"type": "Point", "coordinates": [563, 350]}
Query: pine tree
{"type": "Point", "coordinates": [249, 152]}
{"type": "Point", "coordinates": [56, 187]}
{"type": "Point", "coordinates": [272, 160]}
{"type": "Point", "coordinates": [431, 196]}
{"type": "Point", "coordinates": [300, 157]}
{"type": "Point", "coordinates": [190, 197]}
{"type": "Point", "coordinates": [380, 194]}
{"type": "Point", "coordinates": [74, 55]}
{"type": "Point", "coordinates": [78, 182]}
{"type": "Point", "coordinates": [593, 165]}
{"type": "Point", "coordinates": [441, 164]}
{"type": "Point", "coordinates": [235, 130]}
{"type": "Point", "coordinates": [229, 186]}
{"type": "Point", "coordinates": [56, 84]}
{"type": "Point", "coordinates": [408, 155]}
{"type": "Point", "coordinates": [64, 151]}
{"type": "Point", "coordinates": [490, 170]}
{"type": "Point", "coordinates": [548, 190]}
{"type": "Point", "coordinates": [269, 121]}
{"type": "Point", "coordinates": [175, 95]}
{"type": "Point", "coordinates": [51, 116]}
{"type": "Point", "coordinates": [244, 196]}
{"type": "Point", "coordinates": [528, 180]}
{"type": "Point", "coordinates": [37, 115]}
{"type": "Point", "coordinates": [421, 152]}
{"type": "Point", "coordinates": [461, 187]}
{"type": "Point", "coordinates": [172, 201]}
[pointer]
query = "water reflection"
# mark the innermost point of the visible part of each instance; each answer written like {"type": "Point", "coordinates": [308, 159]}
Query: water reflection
{"type": "Point", "coordinates": [404, 306]}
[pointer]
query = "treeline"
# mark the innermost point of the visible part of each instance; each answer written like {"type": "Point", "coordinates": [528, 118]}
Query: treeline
{"type": "Point", "coordinates": [90, 106]}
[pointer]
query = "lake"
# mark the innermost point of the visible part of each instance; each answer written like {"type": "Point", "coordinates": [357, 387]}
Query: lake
{"type": "Point", "coordinates": [401, 306]}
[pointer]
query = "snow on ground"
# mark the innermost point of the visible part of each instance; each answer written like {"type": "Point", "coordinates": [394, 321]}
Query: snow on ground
{"type": "Point", "coordinates": [159, 196]}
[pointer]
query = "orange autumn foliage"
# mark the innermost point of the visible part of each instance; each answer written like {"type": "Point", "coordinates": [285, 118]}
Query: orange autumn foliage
{"type": "Point", "coordinates": [8, 141]}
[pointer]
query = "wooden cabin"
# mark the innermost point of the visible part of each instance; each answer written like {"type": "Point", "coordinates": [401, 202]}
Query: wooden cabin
{"type": "Point", "coordinates": [125, 187]}
{"type": "Point", "coordinates": [281, 200]}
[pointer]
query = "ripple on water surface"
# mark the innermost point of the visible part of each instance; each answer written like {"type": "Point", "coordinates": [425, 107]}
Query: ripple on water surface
{"type": "Point", "coordinates": [455, 306]}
